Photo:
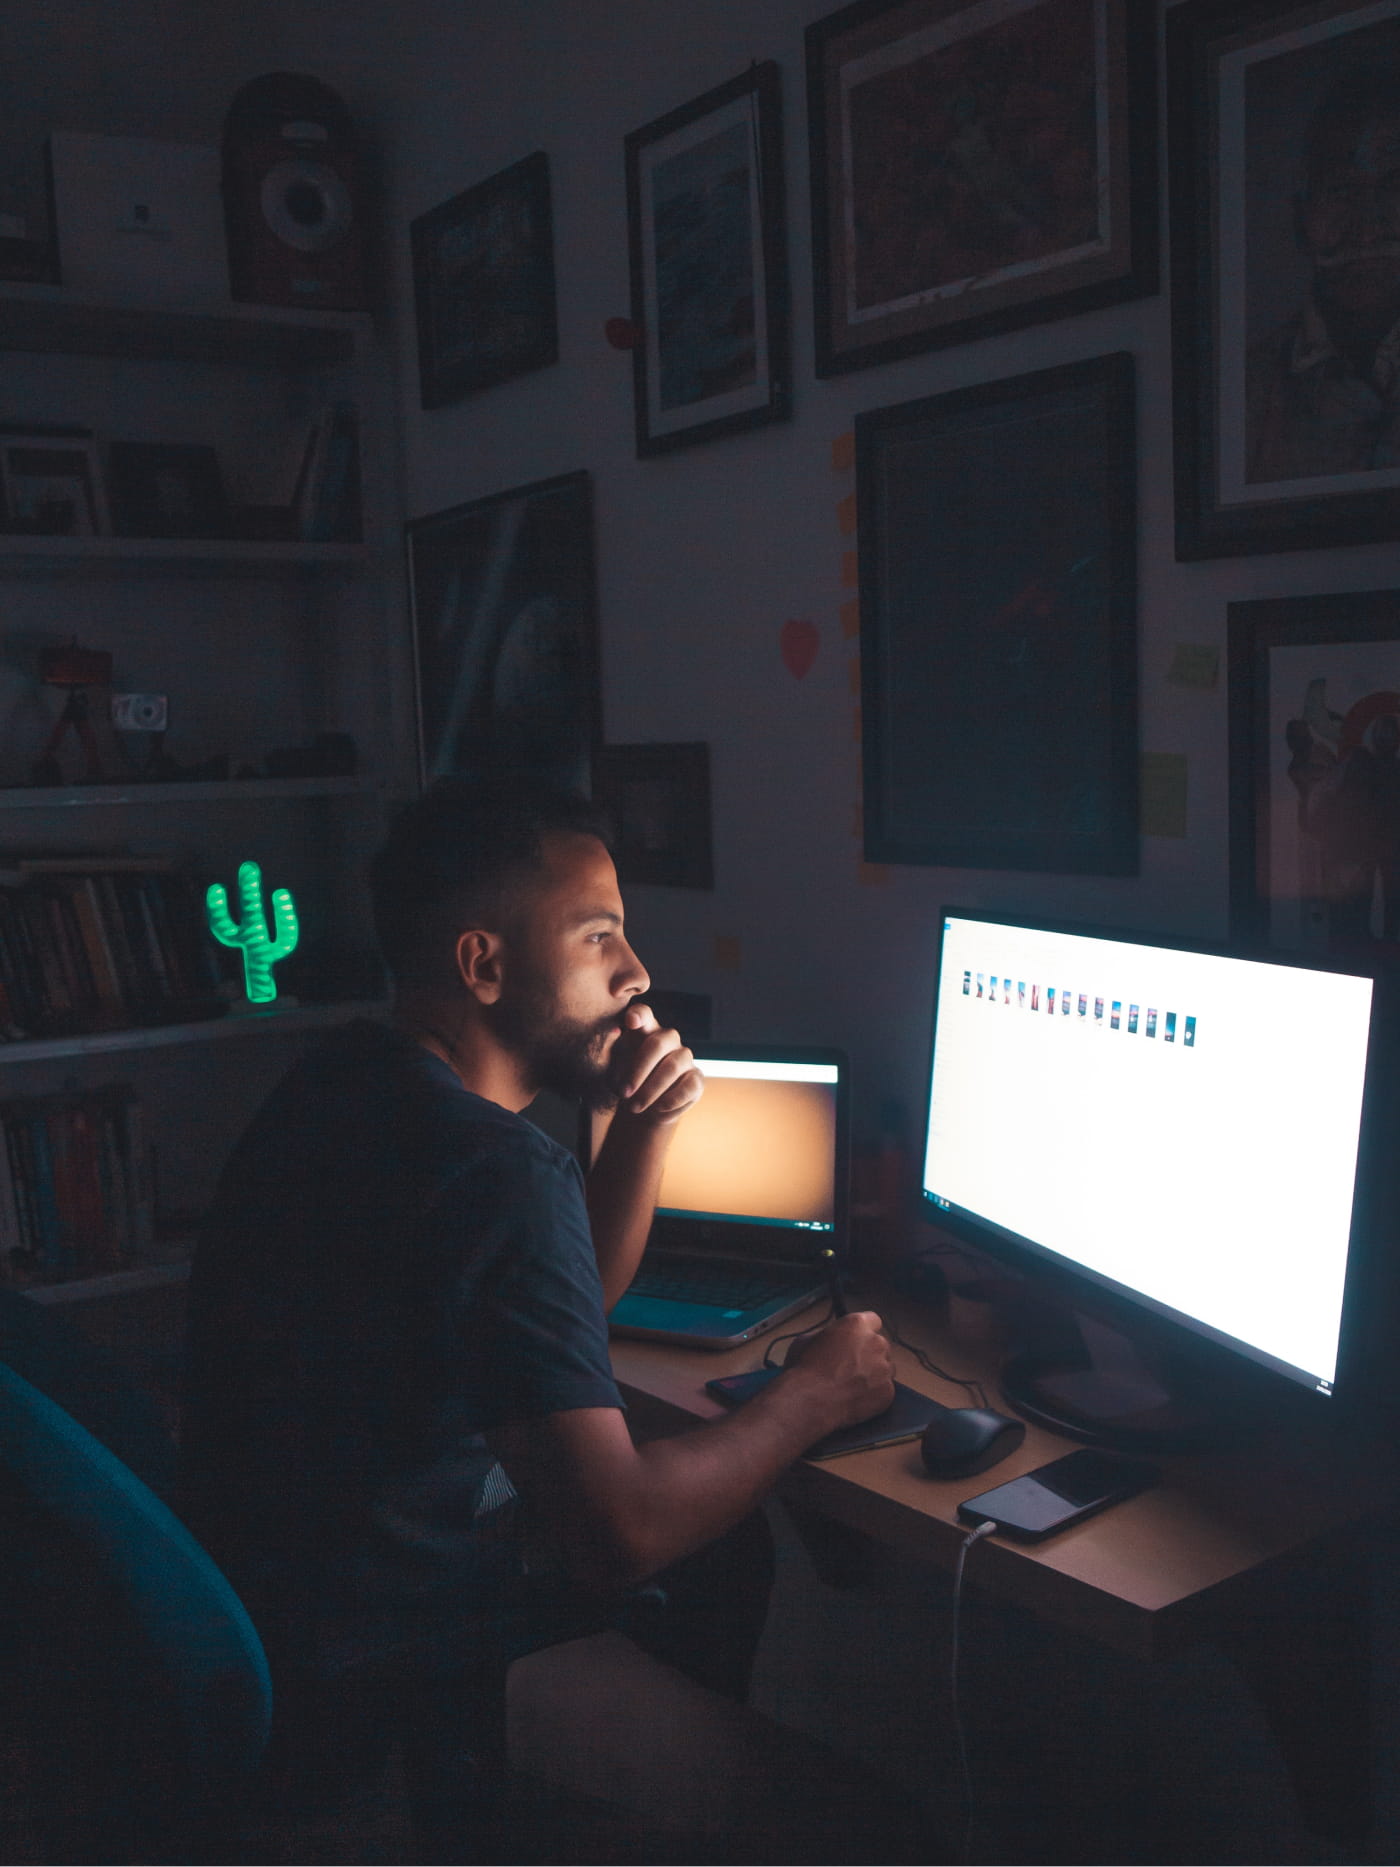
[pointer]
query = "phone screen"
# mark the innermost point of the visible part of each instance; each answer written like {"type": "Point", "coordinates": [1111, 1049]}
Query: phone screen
{"type": "Point", "coordinates": [1059, 1494]}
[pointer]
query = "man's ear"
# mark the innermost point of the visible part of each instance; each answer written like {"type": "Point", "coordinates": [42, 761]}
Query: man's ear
{"type": "Point", "coordinates": [479, 964]}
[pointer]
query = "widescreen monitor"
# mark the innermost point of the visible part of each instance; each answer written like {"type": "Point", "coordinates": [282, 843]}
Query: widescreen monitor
{"type": "Point", "coordinates": [1180, 1138]}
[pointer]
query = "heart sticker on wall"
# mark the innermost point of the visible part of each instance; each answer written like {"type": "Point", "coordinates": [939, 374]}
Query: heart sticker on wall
{"type": "Point", "coordinates": [798, 639]}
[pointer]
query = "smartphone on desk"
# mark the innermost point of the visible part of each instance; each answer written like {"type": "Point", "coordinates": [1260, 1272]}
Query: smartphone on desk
{"type": "Point", "coordinates": [1056, 1495]}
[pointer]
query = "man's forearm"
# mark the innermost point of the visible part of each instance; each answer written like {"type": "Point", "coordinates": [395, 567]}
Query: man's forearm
{"type": "Point", "coordinates": [692, 1487]}
{"type": "Point", "coordinates": [621, 1191]}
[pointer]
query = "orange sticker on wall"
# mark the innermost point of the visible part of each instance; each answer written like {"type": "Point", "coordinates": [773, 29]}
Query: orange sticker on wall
{"type": "Point", "coordinates": [843, 452]}
{"type": "Point", "coordinates": [873, 874]}
{"type": "Point", "coordinates": [850, 618]}
{"type": "Point", "coordinates": [798, 642]}
{"type": "Point", "coordinates": [850, 574]}
{"type": "Point", "coordinates": [846, 515]}
{"type": "Point", "coordinates": [728, 953]}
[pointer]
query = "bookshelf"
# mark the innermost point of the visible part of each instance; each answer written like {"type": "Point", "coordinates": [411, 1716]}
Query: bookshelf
{"type": "Point", "coordinates": [261, 645]}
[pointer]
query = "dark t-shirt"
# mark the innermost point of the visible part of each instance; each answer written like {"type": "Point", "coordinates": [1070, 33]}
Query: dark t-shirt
{"type": "Point", "coordinates": [392, 1267]}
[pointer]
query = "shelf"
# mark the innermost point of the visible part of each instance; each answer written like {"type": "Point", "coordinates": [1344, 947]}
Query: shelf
{"type": "Point", "coordinates": [22, 555]}
{"type": "Point", "coordinates": [225, 791]}
{"type": "Point", "coordinates": [108, 1284]}
{"type": "Point", "coordinates": [269, 1021]}
{"type": "Point", "coordinates": [49, 320]}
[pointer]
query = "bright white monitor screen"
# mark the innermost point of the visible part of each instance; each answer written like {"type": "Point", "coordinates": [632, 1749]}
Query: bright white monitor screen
{"type": "Point", "coordinates": [1180, 1127]}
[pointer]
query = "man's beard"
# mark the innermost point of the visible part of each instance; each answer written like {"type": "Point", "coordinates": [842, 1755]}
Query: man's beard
{"type": "Point", "coordinates": [564, 1055]}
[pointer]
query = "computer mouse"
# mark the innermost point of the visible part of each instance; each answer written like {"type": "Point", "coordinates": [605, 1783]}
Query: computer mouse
{"type": "Point", "coordinates": [962, 1440]}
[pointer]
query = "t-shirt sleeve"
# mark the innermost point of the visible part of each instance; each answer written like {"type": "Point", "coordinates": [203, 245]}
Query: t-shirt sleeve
{"type": "Point", "coordinates": [533, 1332]}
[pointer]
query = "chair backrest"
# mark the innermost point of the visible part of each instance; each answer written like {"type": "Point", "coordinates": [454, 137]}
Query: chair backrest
{"type": "Point", "coordinates": [165, 1601]}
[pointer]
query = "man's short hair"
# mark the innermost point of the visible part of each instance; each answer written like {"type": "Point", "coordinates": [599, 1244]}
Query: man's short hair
{"type": "Point", "coordinates": [458, 854]}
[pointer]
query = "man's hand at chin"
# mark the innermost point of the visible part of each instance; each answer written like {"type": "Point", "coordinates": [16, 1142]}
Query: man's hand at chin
{"type": "Point", "coordinates": [652, 1070]}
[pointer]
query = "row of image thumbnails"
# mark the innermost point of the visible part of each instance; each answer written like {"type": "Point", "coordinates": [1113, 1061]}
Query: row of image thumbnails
{"type": "Point", "coordinates": [987, 989]}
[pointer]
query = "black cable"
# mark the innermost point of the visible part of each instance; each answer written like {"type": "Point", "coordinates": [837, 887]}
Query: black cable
{"type": "Point", "coordinates": [973, 1387]}
{"type": "Point", "coordinates": [793, 1335]}
{"type": "Point", "coordinates": [965, 1773]}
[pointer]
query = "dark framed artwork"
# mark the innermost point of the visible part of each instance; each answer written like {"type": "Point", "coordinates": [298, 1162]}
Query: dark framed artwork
{"type": "Point", "coordinates": [998, 624]}
{"type": "Point", "coordinates": [707, 245]}
{"type": "Point", "coordinates": [1285, 220]}
{"type": "Point", "coordinates": [483, 284]}
{"type": "Point", "coordinates": [161, 491]}
{"type": "Point", "coordinates": [1315, 774]}
{"type": "Point", "coordinates": [658, 797]}
{"type": "Point", "coordinates": [505, 634]}
{"type": "Point", "coordinates": [977, 167]}
{"type": "Point", "coordinates": [51, 483]}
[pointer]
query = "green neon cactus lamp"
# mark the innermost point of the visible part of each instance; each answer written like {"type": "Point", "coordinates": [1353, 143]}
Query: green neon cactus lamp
{"type": "Point", "coordinates": [260, 953]}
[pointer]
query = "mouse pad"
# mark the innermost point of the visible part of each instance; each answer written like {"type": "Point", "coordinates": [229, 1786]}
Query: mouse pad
{"type": "Point", "coordinates": [905, 1418]}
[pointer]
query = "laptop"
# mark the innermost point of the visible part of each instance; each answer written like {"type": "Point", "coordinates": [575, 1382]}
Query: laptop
{"type": "Point", "coordinates": [754, 1189]}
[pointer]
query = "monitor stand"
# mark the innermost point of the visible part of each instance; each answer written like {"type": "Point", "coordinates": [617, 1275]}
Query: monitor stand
{"type": "Point", "coordinates": [1081, 1378]}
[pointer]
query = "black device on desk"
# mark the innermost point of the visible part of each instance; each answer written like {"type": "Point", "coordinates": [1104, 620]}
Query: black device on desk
{"type": "Point", "coordinates": [907, 1415]}
{"type": "Point", "coordinates": [1054, 1496]}
{"type": "Point", "coordinates": [1187, 1178]}
{"type": "Point", "coordinates": [754, 1187]}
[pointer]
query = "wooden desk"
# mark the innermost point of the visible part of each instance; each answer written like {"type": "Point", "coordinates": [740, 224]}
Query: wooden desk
{"type": "Point", "coordinates": [1241, 1546]}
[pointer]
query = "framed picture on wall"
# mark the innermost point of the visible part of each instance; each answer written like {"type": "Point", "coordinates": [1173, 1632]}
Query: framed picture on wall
{"type": "Point", "coordinates": [162, 491]}
{"type": "Point", "coordinates": [977, 167]}
{"type": "Point", "coordinates": [658, 797]}
{"type": "Point", "coordinates": [707, 245]}
{"type": "Point", "coordinates": [505, 634]}
{"type": "Point", "coordinates": [1315, 774]}
{"type": "Point", "coordinates": [998, 626]}
{"type": "Point", "coordinates": [483, 284]}
{"type": "Point", "coordinates": [1284, 149]}
{"type": "Point", "coordinates": [51, 483]}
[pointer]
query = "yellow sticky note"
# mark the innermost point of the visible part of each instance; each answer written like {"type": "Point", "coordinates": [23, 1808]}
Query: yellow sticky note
{"type": "Point", "coordinates": [1195, 664]}
{"type": "Point", "coordinates": [846, 515]}
{"type": "Point", "coordinates": [728, 953]}
{"type": "Point", "coordinates": [873, 874]}
{"type": "Point", "coordinates": [843, 452]}
{"type": "Point", "coordinates": [850, 618]}
{"type": "Point", "coordinates": [1162, 799]}
{"type": "Point", "coordinates": [850, 575]}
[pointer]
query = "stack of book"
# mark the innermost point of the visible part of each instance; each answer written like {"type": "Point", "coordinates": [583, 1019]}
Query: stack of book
{"type": "Point", "coordinates": [100, 944]}
{"type": "Point", "coordinates": [75, 1186]}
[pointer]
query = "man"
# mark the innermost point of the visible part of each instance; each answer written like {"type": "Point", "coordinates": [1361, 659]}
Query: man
{"type": "Point", "coordinates": [1323, 393]}
{"type": "Point", "coordinates": [400, 1285]}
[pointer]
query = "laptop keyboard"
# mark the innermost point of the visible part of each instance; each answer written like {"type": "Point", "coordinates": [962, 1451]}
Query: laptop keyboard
{"type": "Point", "coordinates": [719, 1284]}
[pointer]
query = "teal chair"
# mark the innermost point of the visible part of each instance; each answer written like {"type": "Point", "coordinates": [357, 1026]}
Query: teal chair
{"type": "Point", "coordinates": [136, 1690]}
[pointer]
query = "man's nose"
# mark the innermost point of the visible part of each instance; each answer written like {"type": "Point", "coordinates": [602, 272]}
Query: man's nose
{"type": "Point", "coordinates": [632, 976]}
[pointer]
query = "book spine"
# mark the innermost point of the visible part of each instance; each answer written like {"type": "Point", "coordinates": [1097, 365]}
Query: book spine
{"type": "Point", "coordinates": [96, 1246]}
{"type": "Point", "coordinates": [115, 923]}
{"type": "Point", "coordinates": [45, 1194]}
{"type": "Point", "coordinates": [140, 1179]}
{"type": "Point", "coordinates": [116, 1209]}
{"type": "Point", "coordinates": [87, 909]}
{"type": "Point", "coordinates": [140, 891]}
{"type": "Point", "coordinates": [39, 936]}
{"type": "Point", "coordinates": [22, 1178]}
{"type": "Point", "coordinates": [18, 975]}
{"type": "Point", "coordinates": [83, 983]}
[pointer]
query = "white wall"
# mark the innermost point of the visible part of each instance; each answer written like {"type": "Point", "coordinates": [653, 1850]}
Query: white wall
{"type": "Point", "coordinates": [703, 555]}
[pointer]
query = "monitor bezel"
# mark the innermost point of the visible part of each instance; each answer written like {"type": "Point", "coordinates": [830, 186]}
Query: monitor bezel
{"type": "Point", "coordinates": [1160, 1334]}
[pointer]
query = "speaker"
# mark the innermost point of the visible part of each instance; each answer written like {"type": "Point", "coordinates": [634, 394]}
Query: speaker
{"type": "Point", "coordinates": [292, 205]}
